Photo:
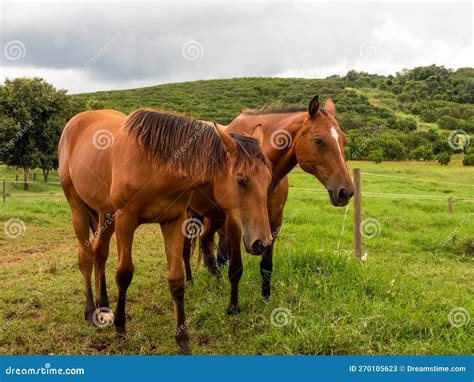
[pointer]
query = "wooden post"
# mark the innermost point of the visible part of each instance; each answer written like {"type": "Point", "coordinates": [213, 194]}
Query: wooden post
{"type": "Point", "coordinates": [34, 176]}
{"type": "Point", "coordinates": [450, 205]}
{"type": "Point", "coordinates": [16, 179]}
{"type": "Point", "coordinates": [4, 190]}
{"type": "Point", "coordinates": [357, 215]}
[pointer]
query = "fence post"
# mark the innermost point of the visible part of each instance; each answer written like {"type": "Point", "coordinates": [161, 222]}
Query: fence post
{"type": "Point", "coordinates": [357, 215]}
{"type": "Point", "coordinates": [16, 179]}
{"type": "Point", "coordinates": [34, 176]}
{"type": "Point", "coordinates": [450, 205]}
{"type": "Point", "coordinates": [4, 190]}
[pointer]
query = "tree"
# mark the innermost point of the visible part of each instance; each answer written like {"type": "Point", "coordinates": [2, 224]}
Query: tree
{"type": "Point", "coordinates": [376, 156]}
{"type": "Point", "coordinates": [444, 158]}
{"type": "Point", "coordinates": [32, 115]}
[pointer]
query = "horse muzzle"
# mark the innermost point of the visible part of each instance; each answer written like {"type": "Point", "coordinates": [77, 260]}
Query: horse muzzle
{"type": "Point", "coordinates": [341, 197]}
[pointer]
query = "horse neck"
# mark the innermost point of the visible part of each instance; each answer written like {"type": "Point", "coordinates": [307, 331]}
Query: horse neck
{"type": "Point", "coordinates": [283, 160]}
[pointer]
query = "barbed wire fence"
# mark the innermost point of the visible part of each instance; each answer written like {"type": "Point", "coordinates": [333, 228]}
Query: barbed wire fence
{"type": "Point", "coordinates": [359, 225]}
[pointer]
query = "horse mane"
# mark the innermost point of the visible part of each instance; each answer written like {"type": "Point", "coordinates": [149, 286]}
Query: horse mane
{"type": "Point", "coordinates": [286, 110]}
{"type": "Point", "coordinates": [185, 146]}
{"type": "Point", "coordinates": [249, 153]}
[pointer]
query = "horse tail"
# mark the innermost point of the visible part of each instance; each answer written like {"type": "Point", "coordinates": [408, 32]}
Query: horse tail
{"type": "Point", "coordinates": [94, 218]}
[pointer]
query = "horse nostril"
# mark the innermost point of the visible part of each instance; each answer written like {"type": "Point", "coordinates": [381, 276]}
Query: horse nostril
{"type": "Point", "coordinates": [342, 194]}
{"type": "Point", "coordinates": [258, 247]}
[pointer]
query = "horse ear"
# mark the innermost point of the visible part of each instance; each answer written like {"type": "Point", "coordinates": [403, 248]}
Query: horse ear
{"type": "Point", "coordinates": [329, 106]}
{"type": "Point", "coordinates": [226, 139]}
{"type": "Point", "coordinates": [313, 106]}
{"type": "Point", "coordinates": [257, 133]}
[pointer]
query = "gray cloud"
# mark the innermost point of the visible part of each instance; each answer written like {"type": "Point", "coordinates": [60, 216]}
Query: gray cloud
{"type": "Point", "coordinates": [89, 46]}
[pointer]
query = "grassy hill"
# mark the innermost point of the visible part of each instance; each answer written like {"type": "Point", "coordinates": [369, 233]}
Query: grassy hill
{"type": "Point", "coordinates": [418, 108]}
{"type": "Point", "coordinates": [220, 100]}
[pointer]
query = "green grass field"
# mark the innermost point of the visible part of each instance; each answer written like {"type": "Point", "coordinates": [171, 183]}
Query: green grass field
{"type": "Point", "coordinates": [404, 299]}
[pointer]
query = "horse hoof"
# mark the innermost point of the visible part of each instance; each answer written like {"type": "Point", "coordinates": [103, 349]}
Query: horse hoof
{"type": "Point", "coordinates": [120, 334]}
{"type": "Point", "coordinates": [213, 269]}
{"type": "Point", "coordinates": [216, 272]}
{"type": "Point", "coordinates": [233, 309]}
{"type": "Point", "coordinates": [103, 317]}
{"type": "Point", "coordinates": [89, 318]}
{"type": "Point", "coordinates": [185, 350]}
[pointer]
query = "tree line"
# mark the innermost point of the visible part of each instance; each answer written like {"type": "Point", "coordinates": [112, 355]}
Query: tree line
{"type": "Point", "coordinates": [32, 116]}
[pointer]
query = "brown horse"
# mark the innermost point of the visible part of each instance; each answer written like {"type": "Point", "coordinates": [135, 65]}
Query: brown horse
{"type": "Point", "coordinates": [253, 182]}
{"type": "Point", "coordinates": [308, 137]}
{"type": "Point", "coordinates": [141, 169]}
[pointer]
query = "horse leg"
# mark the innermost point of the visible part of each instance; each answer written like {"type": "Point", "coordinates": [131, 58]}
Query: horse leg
{"type": "Point", "coordinates": [266, 262]}
{"type": "Point", "coordinates": [222, 252]}
{"type": "Point", "coordinates": [207, 247]}
{"type": "Point", "coordinates": [125, 225]}
{"type": "Point", "coordinates": [101, 253]}
{"type": "Point", "coordinates": [266, 267]}
{"type": "Point", "coordinates": [173, 237]}
{"type": "Point", "coordinates": [187, 251]}
{"type": "Point", "coordinates": [80, 222]}
{"type": "Point", "coordinates": [276, 203]}
{"type": "Point", "coordinates": [232, 240]}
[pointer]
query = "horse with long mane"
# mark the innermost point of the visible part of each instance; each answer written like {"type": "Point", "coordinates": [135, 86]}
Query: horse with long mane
{"type": "Point", "coordinates": [310, 137]}
{"type": "Point", "coordinates": [118, 172]}
{"type": "Point", "coordinates": [253, 181]}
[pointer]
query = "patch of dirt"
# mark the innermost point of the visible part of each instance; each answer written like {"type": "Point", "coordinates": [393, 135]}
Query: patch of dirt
{"type": "Point", "coordinates": [14, 255]}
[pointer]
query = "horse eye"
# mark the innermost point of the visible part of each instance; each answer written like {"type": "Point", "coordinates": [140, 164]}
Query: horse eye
{"type": "Point", "coordinates": [241, 181]}
{"type": "Point", "coordinates": [319, 141]}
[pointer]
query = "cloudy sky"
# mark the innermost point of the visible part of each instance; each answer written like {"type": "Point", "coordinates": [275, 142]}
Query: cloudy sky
{"type": "Point", "coordinates": [89, 46]}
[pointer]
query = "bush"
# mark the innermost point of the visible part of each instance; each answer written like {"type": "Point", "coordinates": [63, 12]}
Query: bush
{"type": "Point", "coordinates": [468, 160]}
{"type": "Point", "coordinates": [422, 153]}
{"type": "Point", "coordinates": [406, 124]}
{"type": "Point", "coordinates": [428, 115]}
{"type": "Point", "coordinates": [447, 122]}
{"type": "Point", "coordinates": [441, 146]}
{"type": "Point", "coordinates": [444, 158]}
{"type": "Point", "coordinates": [466, 247]}
{"type": "Point", "coordinates": [376, 156]}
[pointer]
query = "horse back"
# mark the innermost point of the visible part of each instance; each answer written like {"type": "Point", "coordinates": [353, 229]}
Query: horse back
{"type": "Point", "coordinates": [84, 152]}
